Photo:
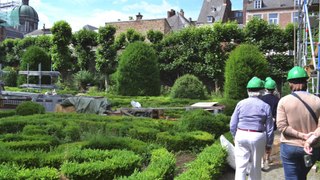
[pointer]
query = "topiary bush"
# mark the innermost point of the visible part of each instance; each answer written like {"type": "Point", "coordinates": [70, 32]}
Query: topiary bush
{"type": "Point", "coordinates": [188, 86]}
{"type": "Point", "coordinates": [29, 108]}
{"type": "Point", "coordinates": [138, 71]}
{"type": "Point", "coordinates": [203, 120]}
{"type": "Point", "coordinates": [244, 62]}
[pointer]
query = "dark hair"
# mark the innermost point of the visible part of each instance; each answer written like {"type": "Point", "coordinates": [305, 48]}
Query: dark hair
{"type": "Point", "coordinates": [254, 89]}
{"type": "Point", "coordinates": [298, 81]}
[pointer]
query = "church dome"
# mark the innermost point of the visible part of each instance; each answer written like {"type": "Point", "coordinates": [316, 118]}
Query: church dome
{"type": "Point", "coordinates": [28, 17]}
{"type": "Point", "coordinates": [26, 11]}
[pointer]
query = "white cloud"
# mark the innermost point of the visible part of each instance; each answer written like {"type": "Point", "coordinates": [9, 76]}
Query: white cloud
{"type": "Point", "coordinates": [119, 1]}
{"type": "Point", "coordinates": [154, 10]}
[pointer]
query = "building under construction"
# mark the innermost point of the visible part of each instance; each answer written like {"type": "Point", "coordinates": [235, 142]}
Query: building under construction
{"type": "Point", "coordinates": [307, 41]}
{"type": "Point", "coordinates": [17, 18]}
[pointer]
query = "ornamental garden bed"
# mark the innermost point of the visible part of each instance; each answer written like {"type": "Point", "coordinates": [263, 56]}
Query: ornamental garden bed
{"type": "Point", "coordinates": [88, 146]}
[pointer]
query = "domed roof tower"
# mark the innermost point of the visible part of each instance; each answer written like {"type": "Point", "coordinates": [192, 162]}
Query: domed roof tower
{"type": "Point", "coordinates": [28, 17]}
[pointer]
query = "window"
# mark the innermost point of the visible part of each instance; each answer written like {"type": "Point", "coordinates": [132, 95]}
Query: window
{"type": "Point", "coordinates": [238, 14]}
{"type": "Point", "coordinates": [273, 18]}
{"type": "Point", "coordinates": [257, 4]}
{"type": "Point", "coordinates": [258, 16]}
{"type": "Point", "coordinates": [296, 2]}
{"type": "Point", "coordinates": [295, 17]}
{"type": "Point", "coordinates": [210, 19]}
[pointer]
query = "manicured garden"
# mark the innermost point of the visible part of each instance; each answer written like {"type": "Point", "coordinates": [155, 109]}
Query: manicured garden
{"type": "Point", "coordinates": [88, 146]}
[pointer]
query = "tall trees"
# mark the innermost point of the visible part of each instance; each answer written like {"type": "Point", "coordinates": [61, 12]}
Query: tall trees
{"type": "Point", "coordinates": [106, 61]}
{"type": "Point", "coordinates": [84, 41]}
{"type": "Point", "coordinates": [60, 52]}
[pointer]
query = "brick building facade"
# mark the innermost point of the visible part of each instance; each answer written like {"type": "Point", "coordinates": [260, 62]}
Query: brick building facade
{"type": "Point", "coordinates": [142, 26]}
{"type": "Point", "coordinates": [274, 12]}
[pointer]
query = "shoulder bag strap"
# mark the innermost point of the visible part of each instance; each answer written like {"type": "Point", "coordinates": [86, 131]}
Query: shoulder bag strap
{"type": "Point", "coordinates": [308, 107]}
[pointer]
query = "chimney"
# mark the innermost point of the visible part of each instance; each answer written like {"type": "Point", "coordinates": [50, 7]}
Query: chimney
{"type": "Point", "coordinates": [182, 12]}
{"type": "Point", "coordinates": [171, 13]}
{"type": "Point", "coordinates": [139, 17]}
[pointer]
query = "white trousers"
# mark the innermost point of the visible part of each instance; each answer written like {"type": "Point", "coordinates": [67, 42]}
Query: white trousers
{"type": "Point", "coordinates": [249, 149]}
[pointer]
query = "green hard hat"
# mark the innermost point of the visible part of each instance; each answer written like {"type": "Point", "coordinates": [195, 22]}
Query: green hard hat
{"type": "Point", "coordinates": [270, 84]}
{"type": "Point", "coordinates": [255, 83]}
{"type": "Point", "coordinates": [268, 78]}
{"type": "Point", "coordinates": [297, 72]}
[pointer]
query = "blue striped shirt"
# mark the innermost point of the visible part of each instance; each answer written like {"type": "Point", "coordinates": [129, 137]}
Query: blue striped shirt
{"type": "Point", "coordinates": [254, 114]}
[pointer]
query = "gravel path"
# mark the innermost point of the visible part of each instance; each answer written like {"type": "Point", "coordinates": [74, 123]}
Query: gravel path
{"type": "Point", "coordinates": [275, 172]}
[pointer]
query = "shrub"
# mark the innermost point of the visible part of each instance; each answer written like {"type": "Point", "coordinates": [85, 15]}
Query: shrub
{"type": "Point", "coordinates": [7, 113]}
{"type": "Point", "coordinates": [138, 71]}
{"type": "Point", "coordinates": [179, 141]}
{"type": "Point", "coordinates": [34, 56]}
{"type": "Point", "coordinates": [202, 120]}
{"type": "Point", "coordinates": [188, 86]}
{"type": "Point", "coordinates": [10, 78]}
{"type": "Point", "coordinates": [229, 106]}
{"type": "Point", "coordinates": [161, 166]}
{"type": "Point", "coordinates": [208, 165]}
{"type": "Point", "coordinates": [244, 62]}
{"type": "Point", "coordinates": [29, 108]}
{"type": "Point", "coordinates": [83, 78]}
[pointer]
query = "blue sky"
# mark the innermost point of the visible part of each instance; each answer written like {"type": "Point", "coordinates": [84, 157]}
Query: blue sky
{"type": "Point", "coordinates": [96, 12]}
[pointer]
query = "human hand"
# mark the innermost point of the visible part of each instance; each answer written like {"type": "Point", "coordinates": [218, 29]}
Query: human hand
{"type": "Point", "coordinates": [307, 148]}
{"type": "Point", "coordinates": [313, 138]}
{"type": "Point", "coordinates": [307, 136]}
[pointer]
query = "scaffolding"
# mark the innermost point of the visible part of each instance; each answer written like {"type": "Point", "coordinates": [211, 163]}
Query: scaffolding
{"type": "Point", "coordinates": [9, 18]}
{"type": "Point", "coordinates": [308, 41]}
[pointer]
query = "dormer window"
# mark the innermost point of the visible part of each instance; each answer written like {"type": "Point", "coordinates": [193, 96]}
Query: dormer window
{"type": "Point", "coordinates": [257, 4]}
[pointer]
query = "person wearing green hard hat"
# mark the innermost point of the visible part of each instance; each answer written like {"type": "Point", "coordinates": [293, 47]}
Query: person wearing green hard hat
{"type": "Point", "coordinates": [297, 119]}
{"type": "Point", "coordinates": [270, 98]}
{"type": "Point", "coordinates": [251, 126]}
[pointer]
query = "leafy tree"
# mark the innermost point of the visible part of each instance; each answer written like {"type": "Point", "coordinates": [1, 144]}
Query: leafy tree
{"type": "Point", "coordinates": [154, 36]}
{"type": "Point", "coordinates": [61, 55]}
{"type": "Point", "coordinates": [289, 32]}
{"type": "Point", "coordinates": [121, 41]}
{"type": "Point", "coordinates": [256, 30]}
{"type": "Point", "coordinates": [274, 41]}
{"type": "Point", "coordinates": [83, 42]}
{"type": "Point", "coordinates": [11, 58]}
{"type": "Point", "coordinates": [244, 62]}
{"type": "Point", "coordinates": [227, 32]}
{"type": "Point", "coordinates": [130, 36]}
{"type": "Point", "coordinates": [193, 51]}
{"type": "Point", "coordinates": [138, 71]}
{"type": "Point", "coordinates": [11, 76]}
{"type": "Point", "coordinates": [23, 44]}
{"type": "Point", "coordinates": [133, 35]}
{"type": "Point", "coordinates": [44, 42]}
{"type": "Point", "coordinates": [106, 61]}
